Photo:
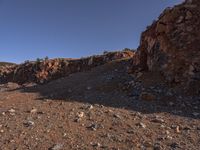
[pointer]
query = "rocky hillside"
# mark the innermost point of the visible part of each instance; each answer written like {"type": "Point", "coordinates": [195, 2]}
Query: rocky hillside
{"type": "Point", "coordinates": [171, 45]}
{"type": "Point", "coordinates": [5, 64]}
{"type": "Point", "coordinates": [47, 70]}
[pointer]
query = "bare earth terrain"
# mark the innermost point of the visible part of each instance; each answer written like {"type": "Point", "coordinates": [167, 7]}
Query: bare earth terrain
{"type": "Point", "coordinates": [104, 108]}
{"type": "Point", "coordinates": [147, 99]}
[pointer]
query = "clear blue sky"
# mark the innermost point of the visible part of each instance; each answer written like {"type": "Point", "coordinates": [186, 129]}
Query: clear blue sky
{"type": "Point", "coordinates": [72, 28]}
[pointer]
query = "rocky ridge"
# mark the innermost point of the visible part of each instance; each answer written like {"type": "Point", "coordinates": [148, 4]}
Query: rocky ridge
{"type": "Point", "coordinates": [171, 46]}
{"type": "Point", "coordinates": [47, 70]}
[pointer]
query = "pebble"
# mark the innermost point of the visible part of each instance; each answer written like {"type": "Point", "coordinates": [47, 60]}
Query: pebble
{"type": "Point", "coordinates": [56, 147]}
{"type": "Point", "coordinates": [11, 111]}
{"type": "Point", "coordinates": [167, 132]}
{"type": "Point", "coordinates": [142, 125]}
{"type": "Point", "coordinates": [34, 110]}
{"type": "Point", "coordinates": [117, 116]}
{"type": "Point", "coordinates": [80, 114]}
{"type": "Point", "coordinates": [29, 123]}
{"type": "Point", "coordinates": [89, 88]}
{"type": "Point", "coordinates": [158, 120]}
{"type": "Point", "coordinates": [178, 129]}
{"type": "Point", "coordinates": [96, 144]}
{"type": "Point", "coordinates": [93, 126]}
{"type": "Point", "coordinates": [147, 96]}
{"type": "Point", "coordinates": [195, 114]}
{"type": "Point", "coordinates": [148, 144]}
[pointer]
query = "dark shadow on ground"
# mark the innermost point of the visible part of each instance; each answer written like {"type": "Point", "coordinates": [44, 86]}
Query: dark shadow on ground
{"type": "Point", "coordinates": [104, 85]}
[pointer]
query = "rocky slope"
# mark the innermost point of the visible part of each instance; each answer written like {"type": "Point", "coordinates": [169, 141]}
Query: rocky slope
{"type": "Point", "coordinates": [94, 103]}
{"type": "Point", "coordinates": [171, 45]}
{"type": "Point", "coordinates": [6, 64]}
{"type": "Point", "coordinates": [47, 70]}
{"type": "Point", "coordinates": [101, 109]}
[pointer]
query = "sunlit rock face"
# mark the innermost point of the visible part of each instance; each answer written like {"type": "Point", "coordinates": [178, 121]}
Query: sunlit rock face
{"type": "Point", "coordinates": [42, 71]}
{"type": "Point", "coordinates": [171, 45]}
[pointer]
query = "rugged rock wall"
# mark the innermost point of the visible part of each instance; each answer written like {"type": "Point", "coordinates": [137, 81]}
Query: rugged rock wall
{"type": "Point", "coordinates": [47, 70]}
{"type": "Point", "coordinates": [171, 45]}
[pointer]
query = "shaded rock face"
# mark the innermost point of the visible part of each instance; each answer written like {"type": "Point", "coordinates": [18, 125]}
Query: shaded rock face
{"type": "Point", "coordinates": [171, 45]}
{"type": "Point", "coordinates": [47, 70]}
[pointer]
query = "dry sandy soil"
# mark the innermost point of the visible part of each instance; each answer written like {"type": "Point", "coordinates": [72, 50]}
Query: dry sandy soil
{"type": "Point", "coordinates": [98, 109]}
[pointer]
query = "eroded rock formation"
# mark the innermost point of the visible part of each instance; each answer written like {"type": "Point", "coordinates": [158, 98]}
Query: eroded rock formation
{"type": "Point", "coordinates": [171, 45]}
{"type": "Point", "coordinates": [47, 70]}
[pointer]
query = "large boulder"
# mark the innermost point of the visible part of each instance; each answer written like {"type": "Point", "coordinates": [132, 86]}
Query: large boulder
{"type": "Point", "coordinates": [171, 45]}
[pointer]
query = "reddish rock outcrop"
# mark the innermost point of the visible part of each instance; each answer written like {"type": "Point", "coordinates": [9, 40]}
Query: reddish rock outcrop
{"type": "Point", "coordinates": [47, 70]}
{"type": "Point", "coordinates": [171, 45]}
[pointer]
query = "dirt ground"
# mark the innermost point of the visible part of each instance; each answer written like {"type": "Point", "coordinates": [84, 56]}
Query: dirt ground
{"type": "Point", "coordinates": [99, 109]}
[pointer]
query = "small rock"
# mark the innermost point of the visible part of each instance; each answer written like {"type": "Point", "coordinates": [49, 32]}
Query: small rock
{"type": "Point", "coordinates": [188, 15]}
{"type": "Point", "coordinates": [174, 145]}
{"type": "Point", "coordinates": [169, 137]}
{"type": "Point", "coordinates": [178, 129]}
{"type": "Point", "coordinates": [167, 132]}
{"type": "Point", "coordinates": [90, 107]}
{"type": "Point", "coordinates": [34, 110]}
{"type": "Point", "coordinates": [147, 96]}
{"type": "Point", "coordinates": [96, 144]}
{"type": "Point", "coordinates": [180, 19]}
{"type": "Point", "coordinates": [158, 120]}
{"type": "Point", "coordinates": [139, 74]}
{"type": "Point", "coordinates": [29, 123]}
{"type": "Point", "coordinates": [117, 116]}
{"type": "Point", "coordinates": [195, 114]}
{"type": "Point", "coordinates": [56, 147]}
{"type": "Point", "coordinates": [80, 114]}
{"type": "Point", "coordinates": [69, 90]}
{"type": "Point", "coordinates": [141, 125]}
{"type": "Point", "coordinates": [171, 104]}
{"type": "Point", "coordinates": [89, 88]}
{"type": "Point", "coordinates": [11, 111]}
{"type": "Point", "coordinates": [93, 126]}
{"type": "Point", "coordinates": [148, 144]}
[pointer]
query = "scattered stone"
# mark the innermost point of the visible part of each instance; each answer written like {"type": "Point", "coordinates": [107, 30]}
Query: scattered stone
{"type": "Point", "coordinates": [1, 131]}
{"type": "Point", "coordinates": [195, 114]}
{"type": "Point", "coordinates": [11, 111]}
{"type": "Point", "coordinates": [158, 120]}
{"type": "Point", "coordinates": [141, 125]}
{"type": "Point", "coordinates": [117, 116]}
{"type": "Point", "coordinates": [147, 96]}
{"type": "Point", "coordinates": [171, 103]}
{"type": "Point", "coordinates": [80, 114]}
{"type": "Point", "coordinates": [167, 132]}
{"type": "Point", "coordinates": [34, 110]}
{"type": "Point", "coordinates": [174, 145]}
{"type": "Point", "coordinates": [89, 88]}
{"type": "Point", "coordinates": [93, 126]}
{"type": "Point", "coordinates": [178, 129]}
{"type": "Point", "coordinates": [56, 147]}
{"type": "Point", "coordinates": [148, 144]}
{"type": "Point", "coordinates": [95, 144]}
{"type": "Point", "coordinates": [29, 123]}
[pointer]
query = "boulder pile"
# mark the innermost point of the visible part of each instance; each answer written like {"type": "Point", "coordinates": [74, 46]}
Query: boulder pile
{"type": "Point", "coordinates": [47, 70]}
{"type": "Point", "coordinates": [171, 45]}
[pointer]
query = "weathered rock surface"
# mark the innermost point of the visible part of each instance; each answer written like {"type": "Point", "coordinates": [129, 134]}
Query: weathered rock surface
{"type": "Point", "coordinates": [171, 45]}
{"type": "Point", "coordinates": [47, 70]}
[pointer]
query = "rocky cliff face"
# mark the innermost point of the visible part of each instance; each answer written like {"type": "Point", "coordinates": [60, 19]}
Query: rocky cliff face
{"type": "Point", "coordinates": [47, 70]}
{"type": "Point", "coordinates": [171, 45]}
